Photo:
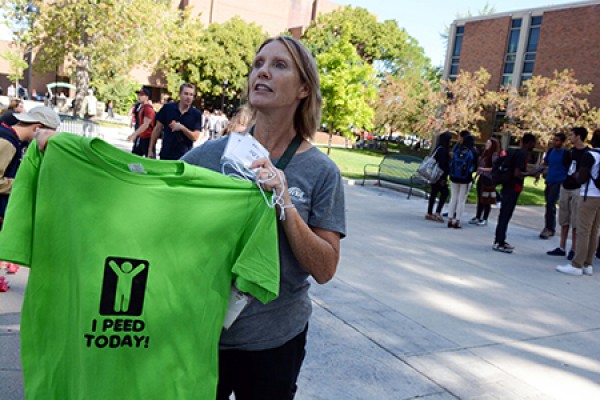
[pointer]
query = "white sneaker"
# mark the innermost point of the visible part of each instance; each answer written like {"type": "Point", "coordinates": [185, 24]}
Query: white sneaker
{"type": "Point", "coordinates": [588, 270]}
{"type": "Point", "coordinates": [569, 270]}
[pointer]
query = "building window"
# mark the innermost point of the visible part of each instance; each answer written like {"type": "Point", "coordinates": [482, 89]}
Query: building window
{"type": "Point", "coordinates": [458, 39]}
{"type": "Point", "coordinates": [531, 50]}
{"type": "Point", "coordinates": [511, 52]}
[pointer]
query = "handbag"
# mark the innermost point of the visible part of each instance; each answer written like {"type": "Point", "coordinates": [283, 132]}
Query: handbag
{"type": "Point", "coordinates": [488, 194]}
{"type": "Point", "coordinates": [429, 169]}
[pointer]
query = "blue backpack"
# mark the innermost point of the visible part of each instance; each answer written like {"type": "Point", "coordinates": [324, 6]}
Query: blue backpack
{"type": "Point", "coordinates": [461, 166]}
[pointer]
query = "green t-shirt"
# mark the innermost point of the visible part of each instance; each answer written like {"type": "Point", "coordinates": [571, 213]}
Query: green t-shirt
{"type": "Point", "coordinates": [131, 261]}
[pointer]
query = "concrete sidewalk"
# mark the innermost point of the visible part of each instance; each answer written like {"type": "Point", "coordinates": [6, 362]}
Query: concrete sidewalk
{"type": "Point", "coordinates": [418, 310]}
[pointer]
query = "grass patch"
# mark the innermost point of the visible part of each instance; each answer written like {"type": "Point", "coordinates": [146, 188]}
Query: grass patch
{"type": "Point", "coordinates": [351, 163]}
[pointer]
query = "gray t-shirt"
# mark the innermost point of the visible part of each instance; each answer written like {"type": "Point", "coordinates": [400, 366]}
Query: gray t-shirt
{"type": "Point", "coordinates": [316, 189]}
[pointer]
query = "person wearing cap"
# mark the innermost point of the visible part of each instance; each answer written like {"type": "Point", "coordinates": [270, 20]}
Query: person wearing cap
{"type": "Point", "coordinates": [11, 150]}
{"type": "Point", "coordinates": [145, 118]}
{"type": "Point", "coordinates": [182, 124]}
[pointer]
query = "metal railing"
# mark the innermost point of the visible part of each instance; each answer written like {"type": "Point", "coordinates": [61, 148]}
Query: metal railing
{"type": "Point", "coordinates": [79, 126]}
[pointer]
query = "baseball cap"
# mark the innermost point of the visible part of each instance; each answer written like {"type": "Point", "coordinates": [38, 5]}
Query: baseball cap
{"type": "Point", "coordinates": [41, 114]}
{"type": "Point", "coordinates": [144, 91]}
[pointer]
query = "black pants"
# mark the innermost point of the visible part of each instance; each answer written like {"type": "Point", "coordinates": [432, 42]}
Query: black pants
{"type": "Point", "coordinates": [509, 202]}
{"type": "Point", "coordinates": [141, 146]}
{"type": "Point", "coordinates": [440, 187]}
{"type": "Point", "coordinates": [483, 210]}
{"type": "Point", "coordinates": [261, 375]}
{"type": "Point", "coordinates": [551, 193]}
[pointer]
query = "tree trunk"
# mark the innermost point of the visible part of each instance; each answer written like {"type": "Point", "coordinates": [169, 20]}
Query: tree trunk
{"type": "Point", "coordinates": [82, 82]}
{"type": "Point", "coordinates": [82, 75]}
{"type": "Point", "coordinates": [329, 143]}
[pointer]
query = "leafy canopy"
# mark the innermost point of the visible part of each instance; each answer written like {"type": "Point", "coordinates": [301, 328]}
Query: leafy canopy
{"type": "Point", "coordinates": [383, 44]}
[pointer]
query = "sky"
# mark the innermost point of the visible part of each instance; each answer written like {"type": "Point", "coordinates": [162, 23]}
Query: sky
{"type": "Point", "coordinates": [426, 19]}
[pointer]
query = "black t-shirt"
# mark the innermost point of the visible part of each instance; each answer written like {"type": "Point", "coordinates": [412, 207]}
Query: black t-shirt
{"type": "Point", "coordinates": [519, 160]}
{"type": "Point", "coordinates": [575, 156]}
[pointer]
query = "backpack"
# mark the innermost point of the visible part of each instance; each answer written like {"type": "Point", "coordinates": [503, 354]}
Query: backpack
{"type": "Point", "coordinates": [461, 165]}
{"type": "Point", "coordinates": [596, 180]}
{"type": "Point", "coordinates": [502, 170]}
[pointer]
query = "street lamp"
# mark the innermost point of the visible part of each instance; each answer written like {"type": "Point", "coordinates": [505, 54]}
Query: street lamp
{"type": "Point", "coordinates": [32, 10]}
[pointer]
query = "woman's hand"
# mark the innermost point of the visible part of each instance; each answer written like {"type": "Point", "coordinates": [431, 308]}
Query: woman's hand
{"type": "Point", "coordinates": [272, 179]}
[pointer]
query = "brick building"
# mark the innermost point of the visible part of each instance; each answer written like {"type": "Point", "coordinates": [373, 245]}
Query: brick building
{"type": "Point", "coordinates": [514, 46]}
{"type": "Point", "coordinates": [275, 16]}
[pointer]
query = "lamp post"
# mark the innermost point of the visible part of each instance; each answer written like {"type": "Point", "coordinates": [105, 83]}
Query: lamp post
{"type": "Point", "coordinates": [32, 11]}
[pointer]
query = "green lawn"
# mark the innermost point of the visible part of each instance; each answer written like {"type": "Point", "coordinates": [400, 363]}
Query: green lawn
{"type": "Point", "coordinates": [351, 163]}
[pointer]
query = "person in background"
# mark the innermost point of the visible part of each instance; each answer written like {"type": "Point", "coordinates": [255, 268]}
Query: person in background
{"type": "Point", "coordinates": [262, 352]}
{"type": "Point", "coordinates": [512, 190]}
{"type": "Point", "coordinates": [569, 198]}
{"type": "Point", "coordinates": [11, 145]}
{"type": "Point", "coordinates": [16, 106]}
{"type": "Point", "coordinates": [557, 165]}
{"type": "Point", "coordinates": [462, 166]}
{"type": "Point", "coordinates": [240, 122]}
{"type": "Point", "coordinates": [442, 157]}
{"type": "Point", "coordinates": [486, 190]}
{"type": "Point", "coordinates": [145, 118]}
{"type": "Point", "coordinates": [110, 109]}
{"type": "Point", "coordinates": [588, 220]}
{"type": "Point", "coordinates": [182, 123]}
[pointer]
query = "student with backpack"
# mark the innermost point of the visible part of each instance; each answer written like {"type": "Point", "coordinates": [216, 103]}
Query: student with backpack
{"type": "Point", "coordinates": [462, 166]}
{"type": "Point", "coordinates": [588, 221]}
{"type": "Point", "coordinates": [512, 185]}
{"type": "Point", "coordinates": [442, 157]}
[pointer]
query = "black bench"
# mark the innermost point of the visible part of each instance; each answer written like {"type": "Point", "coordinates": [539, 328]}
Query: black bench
{"type": "Point", "coordinates": [399, 169]}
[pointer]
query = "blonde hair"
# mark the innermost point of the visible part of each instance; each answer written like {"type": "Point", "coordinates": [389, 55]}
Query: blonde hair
{"type": "Point", "coordinates": [240, 121]}
{"type": "Point", "coordinates": [307, 116]}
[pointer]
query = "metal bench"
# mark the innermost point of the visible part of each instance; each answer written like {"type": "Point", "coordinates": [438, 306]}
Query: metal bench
{"type": "Point", "coordinates": [399, 169]}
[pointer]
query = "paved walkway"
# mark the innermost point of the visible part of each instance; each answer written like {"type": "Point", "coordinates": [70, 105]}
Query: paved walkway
{"type": "Point", "coordinates": [418, 310]}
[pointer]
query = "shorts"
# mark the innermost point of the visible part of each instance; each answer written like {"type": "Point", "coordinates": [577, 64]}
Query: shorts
{"type": "Point", "coordinates": [568, 203]}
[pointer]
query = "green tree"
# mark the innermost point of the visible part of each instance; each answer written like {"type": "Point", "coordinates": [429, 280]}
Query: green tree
{"type": "Point", "coordinates": [92, 37]}
{"type": "Point", "coordinates": [347, 87]}
{"type": "Point", "coordinates": [16, 64]}
{"type": "Point", "coordinates": [120, 89]}
{"type": "Point", "coordinates": [462, 104]}
{"type": "Point", "coordinates": [401, 103]}
{"type": "Point", "coordinates": [383, 44]}
{"type": "Point", "coordinates": [546, 105]}
{"type": "Point", "coordinates": [221, 53]}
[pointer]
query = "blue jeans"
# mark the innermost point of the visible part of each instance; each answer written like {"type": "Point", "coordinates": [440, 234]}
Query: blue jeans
{"type": "Point", "coordinates": [509, 202]}
{"type": "Point", "coordinates": [551, 193]}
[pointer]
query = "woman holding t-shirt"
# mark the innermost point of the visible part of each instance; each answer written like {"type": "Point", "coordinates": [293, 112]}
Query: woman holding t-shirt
{"type": "Point", "coordinates": [261, 354]}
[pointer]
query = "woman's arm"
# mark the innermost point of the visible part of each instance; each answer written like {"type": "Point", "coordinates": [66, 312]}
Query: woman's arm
{"type": "Point", "coordinates": [317, 250]}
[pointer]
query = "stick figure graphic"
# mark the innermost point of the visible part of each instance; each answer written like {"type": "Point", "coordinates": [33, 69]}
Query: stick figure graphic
{"type": "Point", "coordinates": [125, 274]}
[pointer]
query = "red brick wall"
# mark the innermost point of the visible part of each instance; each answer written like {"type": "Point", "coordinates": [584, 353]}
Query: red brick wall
{"type": "Point", "coordinates": [484, 45]}
{"type": "Point", "coordinates": [571, 39]}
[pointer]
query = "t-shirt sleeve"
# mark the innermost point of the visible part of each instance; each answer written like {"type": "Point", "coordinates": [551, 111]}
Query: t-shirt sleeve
{"type": "Point", "coordinates": [161, 116]}
{"type": "Point", "coordinates": [256, 270]}
{"type": "Point", "coordinates": [328, 206]}
{"type": "Point", "coordinates": [149, 112]}
{"type": "Point", "coordinates": [520, 160]}
{"type": "Point", "coordinates": [197, 122]}
{"type": "Point", "coordinates": [17, 231]}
